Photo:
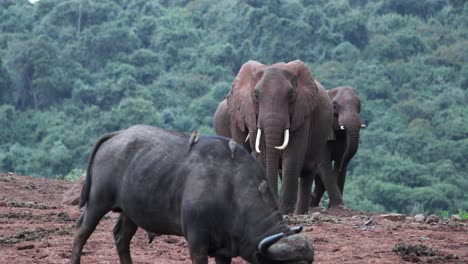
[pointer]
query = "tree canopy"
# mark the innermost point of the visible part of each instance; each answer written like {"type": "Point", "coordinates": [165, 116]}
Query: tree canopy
{"type": "Point", "coordinates": [72, 70]}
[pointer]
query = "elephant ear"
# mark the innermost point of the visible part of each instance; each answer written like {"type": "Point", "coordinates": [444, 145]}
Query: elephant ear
{"type": "Point", "coordinates": [240, 102]}
{"type": "Point", "coordinates": [332, 92]}
{"type": "Point", "coordinates": [306, 93]}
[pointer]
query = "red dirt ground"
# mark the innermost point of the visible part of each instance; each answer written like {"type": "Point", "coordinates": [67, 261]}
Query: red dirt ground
{"type": "Point", "coordinates": [37, 226]}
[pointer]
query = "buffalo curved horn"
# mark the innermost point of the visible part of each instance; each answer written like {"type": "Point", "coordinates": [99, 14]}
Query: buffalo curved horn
{"type": "Point", "coordinates": [257, 140]}
{"type": "Point", "coordinates": [297, 229]}
{"type": "Point", "coordinates": [363, 126]}
{"type": "Point", "coordinates": [342, 127]}
{"type": "Point", "coordinates": [247, 138]}
{"type": "Point", "coordinates": [267, 242]}
{"type": "Point", "coordinates": [285, 142]}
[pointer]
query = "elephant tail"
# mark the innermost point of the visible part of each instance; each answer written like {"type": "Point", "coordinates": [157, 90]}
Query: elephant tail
{"type": "Point", "coordinates": [87, 185]}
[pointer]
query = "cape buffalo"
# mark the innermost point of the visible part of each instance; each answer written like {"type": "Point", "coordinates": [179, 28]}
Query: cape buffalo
{"type": "Point", "coordinates": [215, 195]}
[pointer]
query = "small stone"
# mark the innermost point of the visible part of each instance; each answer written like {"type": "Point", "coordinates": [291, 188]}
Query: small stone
{"type": "Point", "coordinates": [24, 247]}
{"type": "Point", "coordinates": [3, 204]}
{"type": "Point", "coordinates": [409, 219]}
{"type": "Point", "coordinates": [455, 218]}
{"type": "Point", "coordinates": [394, 217]}
{"type": "Point", "coordinates": [419, 218]}
{"type": "Point", "coordinates": [315, 216]}
{"type": "Point", "coordinates": [432, 219]}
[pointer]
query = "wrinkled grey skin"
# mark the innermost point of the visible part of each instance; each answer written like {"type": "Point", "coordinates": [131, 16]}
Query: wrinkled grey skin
{"type": "Point", "coordinates": [215, 201]}
{"type": "Point", "coordinates": [342, 148]}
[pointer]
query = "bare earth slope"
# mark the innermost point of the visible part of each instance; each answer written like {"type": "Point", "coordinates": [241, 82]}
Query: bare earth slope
{"type": "Point", "coordinates": [37, 226]}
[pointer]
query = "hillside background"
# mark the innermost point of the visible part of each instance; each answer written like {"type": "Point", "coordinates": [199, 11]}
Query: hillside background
{"type": "Point", "coordinates": [72, 70]}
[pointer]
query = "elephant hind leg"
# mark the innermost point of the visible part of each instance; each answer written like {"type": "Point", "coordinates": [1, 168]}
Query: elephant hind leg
{"type": "Point", "coordinates": [319, 190]}
{"type": "Point", "coordinates": [303, 197]}
{"type": "Point", "coordinates": [123, 231]}
{"type": "Point", "coordinates": [331, 185]}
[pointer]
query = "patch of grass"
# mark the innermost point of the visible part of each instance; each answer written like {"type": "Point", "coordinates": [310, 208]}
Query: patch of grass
{"type": "Point", "coordinates": [74, 175]}
{"type": "Point", "coordinates": [444, 214]}
{"type": "Point", "coordinates": [462, 214]}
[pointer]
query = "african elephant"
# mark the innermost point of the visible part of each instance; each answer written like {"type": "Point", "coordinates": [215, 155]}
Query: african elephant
{"type": "Point", "coordinates": [346, 126]}
{"type": "Point", "coordinates": [287, 116]}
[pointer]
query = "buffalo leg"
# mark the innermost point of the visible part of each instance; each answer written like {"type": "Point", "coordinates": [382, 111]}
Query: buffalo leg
{"type": "Point", "coordinates": [222, 260]}
{"type": "Point", "coordinates": [198, 244]}
{"type": "Point", "coordinates": [199, 259]}
{"type": "Point", "coordinates": [86, 225]}
{"type": "Point", "coordinates": [124, 230]}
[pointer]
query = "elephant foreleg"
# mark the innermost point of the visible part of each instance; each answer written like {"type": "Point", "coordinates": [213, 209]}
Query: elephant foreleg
{"type": "Point", "coordinates": [288, 193]}
{"type": "Point", "coordinates": [341, 176]}
{"type": "Point", "coordinates": [331, 184]}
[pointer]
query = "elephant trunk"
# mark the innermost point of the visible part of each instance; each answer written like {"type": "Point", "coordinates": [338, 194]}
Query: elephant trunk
{"type": "Point", "coordinates": [273, 137]}
{"type": "Point", "coordinates": [352, 141]}
{"type": "Point", "coordinates": [272, 160]}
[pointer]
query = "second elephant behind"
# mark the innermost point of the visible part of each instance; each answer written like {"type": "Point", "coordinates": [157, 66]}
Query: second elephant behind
{"type": "Point", "coordinates": [343, 145]}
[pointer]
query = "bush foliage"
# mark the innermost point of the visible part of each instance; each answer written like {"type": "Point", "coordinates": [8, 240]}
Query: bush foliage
{"type": "Point", "coordinates": [71, 70]}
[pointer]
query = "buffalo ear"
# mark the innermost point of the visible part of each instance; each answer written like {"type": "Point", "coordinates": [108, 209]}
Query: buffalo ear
{"type": "Point", "coordinates": [240, 103]}
{"type": "Point", "coordinates": [306, 90]}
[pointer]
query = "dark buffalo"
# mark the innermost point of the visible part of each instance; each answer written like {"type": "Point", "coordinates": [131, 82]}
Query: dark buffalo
{"type": "Point", "coordinates": [215, 195]}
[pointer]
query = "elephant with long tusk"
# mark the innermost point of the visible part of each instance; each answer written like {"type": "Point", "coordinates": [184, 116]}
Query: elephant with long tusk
{"type": "Point", "coordinates": [346, 127]}
{"type": "Point", "coordinates": [287, 116]}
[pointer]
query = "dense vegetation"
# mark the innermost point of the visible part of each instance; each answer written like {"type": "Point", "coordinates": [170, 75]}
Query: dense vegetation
{"type": "Point", "coordinates": [71, 70]}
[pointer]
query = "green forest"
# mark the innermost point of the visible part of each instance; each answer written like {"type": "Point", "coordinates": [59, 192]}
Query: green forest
{"type": "Point", "coordinates": [72, 70]}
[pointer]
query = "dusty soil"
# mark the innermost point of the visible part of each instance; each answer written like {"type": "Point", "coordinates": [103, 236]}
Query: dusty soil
{"type": "Point", "coordinates": [37, 218]}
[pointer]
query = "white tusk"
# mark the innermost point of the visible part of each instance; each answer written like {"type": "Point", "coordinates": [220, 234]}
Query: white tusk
{"type": "Point", "coordinates": [342, 127]}
{"type": "Point", "coordinates": [257, 140]}
{"type": "Point", "coordinates": [363, 126]}
{"type": "Point", "coordinates": [247, 138]}
{"type": "Point", "coordinates": [285, 142]}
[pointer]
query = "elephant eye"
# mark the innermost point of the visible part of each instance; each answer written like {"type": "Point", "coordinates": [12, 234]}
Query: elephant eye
{"type": "Point", "coordinates": [334, 106]}
{"type": "Point", "coordinates": [291, 94]}
{"type": "Point", "coordinates": [256, 95]}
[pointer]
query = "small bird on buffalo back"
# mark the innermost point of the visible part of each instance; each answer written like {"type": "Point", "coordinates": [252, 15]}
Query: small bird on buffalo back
{"type": "Point", "coordinates": [193, 139]}
{"type": "Point", "coordinates": [232, 147]}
